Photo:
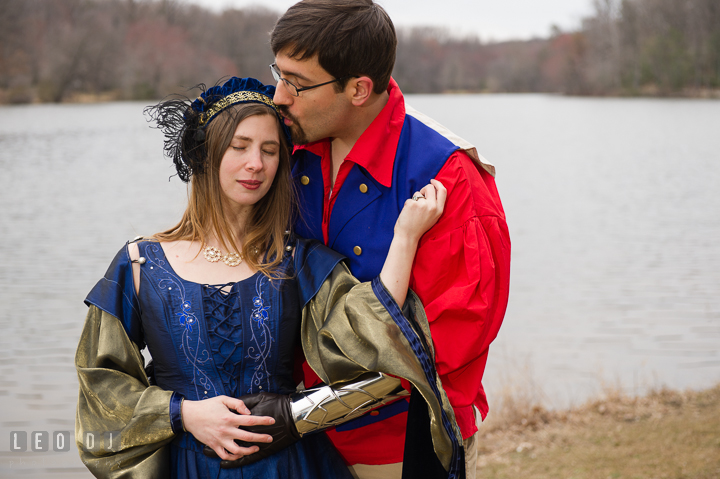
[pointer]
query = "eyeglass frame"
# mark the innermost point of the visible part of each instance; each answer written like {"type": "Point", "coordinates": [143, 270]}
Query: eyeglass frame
{"type": "Point", "coordinates": [297, 89]}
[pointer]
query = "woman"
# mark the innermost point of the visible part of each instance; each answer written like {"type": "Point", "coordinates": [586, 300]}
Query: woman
{"type": "Point", "coordinates": [217, 300]}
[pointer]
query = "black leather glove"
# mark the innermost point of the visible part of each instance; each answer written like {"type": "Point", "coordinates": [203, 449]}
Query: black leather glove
{"type": "Point", "coordinates": [284, 432]}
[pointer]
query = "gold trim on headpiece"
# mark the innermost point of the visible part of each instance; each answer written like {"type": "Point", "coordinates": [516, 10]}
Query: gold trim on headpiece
{"type": "Point", "coordinates": [232, 99]}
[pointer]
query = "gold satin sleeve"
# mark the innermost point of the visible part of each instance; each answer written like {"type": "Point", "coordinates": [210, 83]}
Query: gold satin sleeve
{"type": "Point", "coordinates": [116, 399]}
{"type": "Point", "coordinates": [347, 332]}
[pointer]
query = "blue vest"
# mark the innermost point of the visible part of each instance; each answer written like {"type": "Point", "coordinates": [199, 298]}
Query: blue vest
{"type": "Point", "coordinates": [363, 220]}
{"type": "Point", "coordinates": [361, 224]}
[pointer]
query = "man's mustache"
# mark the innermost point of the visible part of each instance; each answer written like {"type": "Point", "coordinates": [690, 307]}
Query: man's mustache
{"type": "Point", "coordinates": [284, 112]}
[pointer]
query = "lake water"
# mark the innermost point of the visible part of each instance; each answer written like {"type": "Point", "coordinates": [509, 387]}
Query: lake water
{"type": "Point", "coordinates": [612, 204]}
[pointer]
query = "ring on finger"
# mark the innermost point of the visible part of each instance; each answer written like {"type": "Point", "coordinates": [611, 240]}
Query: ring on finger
{"type": "Point", "coordinates": [418, 196]}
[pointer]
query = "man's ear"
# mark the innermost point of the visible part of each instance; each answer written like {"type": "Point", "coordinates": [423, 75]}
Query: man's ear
{"type": "Point", "coordinates": [359, 90]}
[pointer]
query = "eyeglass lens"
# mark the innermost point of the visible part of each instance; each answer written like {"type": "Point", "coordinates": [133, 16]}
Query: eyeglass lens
{"type": "Point", "coordinates": [276, 75]}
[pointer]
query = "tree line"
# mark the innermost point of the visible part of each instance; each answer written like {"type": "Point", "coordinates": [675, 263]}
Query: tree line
{"type": "Point", "coordinates": [61, 50]}
{"type": "Point", "coordinates": [627, 47]}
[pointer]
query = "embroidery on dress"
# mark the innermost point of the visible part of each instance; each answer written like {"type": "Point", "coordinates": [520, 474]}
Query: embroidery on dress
{"type": "Point", "coordinates": [261, 338]}
{"type": "Point", "coordinates": [192, 345]}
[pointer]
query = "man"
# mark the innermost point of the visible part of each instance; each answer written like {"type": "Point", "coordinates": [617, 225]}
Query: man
{"type": "Point", "coordinates": [360, 152]}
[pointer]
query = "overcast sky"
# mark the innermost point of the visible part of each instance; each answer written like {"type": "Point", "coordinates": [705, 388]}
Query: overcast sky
{"type": "Point", "coordinates": [489, 19]}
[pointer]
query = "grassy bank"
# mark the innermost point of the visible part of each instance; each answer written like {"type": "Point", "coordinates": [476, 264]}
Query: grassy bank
{"type": "Point", "coordinates": [666, 434]}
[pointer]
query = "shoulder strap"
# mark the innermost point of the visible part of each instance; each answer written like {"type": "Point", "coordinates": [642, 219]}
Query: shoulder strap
{"type": "Point", "coordinates": [313, 264]}
{"type": "Point", "coordinates": [115, 294]}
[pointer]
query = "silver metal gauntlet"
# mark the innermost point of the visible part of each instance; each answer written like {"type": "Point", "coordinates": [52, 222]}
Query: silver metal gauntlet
{"type": "Point", "coordinates": [320, 408]}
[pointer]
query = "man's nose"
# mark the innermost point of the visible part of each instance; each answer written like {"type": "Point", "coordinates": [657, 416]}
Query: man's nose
{"type": "Point", "coordinates": [282, 96]}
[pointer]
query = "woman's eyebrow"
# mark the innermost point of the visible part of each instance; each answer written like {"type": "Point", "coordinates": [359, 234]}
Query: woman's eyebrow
{"type": "Point", "coordinates": [245, 138]}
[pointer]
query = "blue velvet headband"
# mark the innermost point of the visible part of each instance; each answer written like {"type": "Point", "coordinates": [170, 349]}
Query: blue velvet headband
{"type": "Point", "coordinates": [234, 91]}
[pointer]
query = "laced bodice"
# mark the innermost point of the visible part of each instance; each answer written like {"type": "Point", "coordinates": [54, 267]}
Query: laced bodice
{"type": "Point", "coordinates": [209, 340]}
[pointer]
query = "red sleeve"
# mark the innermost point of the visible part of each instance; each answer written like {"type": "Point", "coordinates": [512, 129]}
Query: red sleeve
{"type": "Point", "coordinates": [462, 273]}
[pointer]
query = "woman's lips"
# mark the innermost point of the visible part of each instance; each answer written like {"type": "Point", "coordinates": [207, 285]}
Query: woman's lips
{"type": "Point", "coordinates": [250, 184]}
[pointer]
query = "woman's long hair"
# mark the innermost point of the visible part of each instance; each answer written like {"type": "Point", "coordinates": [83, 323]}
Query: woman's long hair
{"type": "Point", "coordinates": [263, 239]}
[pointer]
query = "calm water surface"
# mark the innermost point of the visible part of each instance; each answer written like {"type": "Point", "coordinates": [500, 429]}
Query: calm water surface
{"type": "Point", "coordinates": [613, 211]}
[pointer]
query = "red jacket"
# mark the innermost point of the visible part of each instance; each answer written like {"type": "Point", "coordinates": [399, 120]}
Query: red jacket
{"type": "Point", "coordinates": [461, 270]}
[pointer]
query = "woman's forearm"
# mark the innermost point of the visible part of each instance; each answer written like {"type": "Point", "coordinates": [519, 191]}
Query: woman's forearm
{"type": "Point", "coordinates": [395, 273]}
{"type": "Point", "coordinates": [416, 218]}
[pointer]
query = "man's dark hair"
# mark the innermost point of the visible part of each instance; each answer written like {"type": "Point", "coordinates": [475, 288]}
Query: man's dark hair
{"type": "Point", "coordinates": [349, 37]}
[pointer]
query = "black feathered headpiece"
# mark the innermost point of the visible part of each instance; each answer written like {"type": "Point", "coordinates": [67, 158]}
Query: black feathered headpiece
{"type": "Point", "coordinates": [183, 121]}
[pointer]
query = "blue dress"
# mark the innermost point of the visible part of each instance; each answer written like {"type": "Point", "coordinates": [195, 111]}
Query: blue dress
{"type": "Point", "coordinates": [233, 339]}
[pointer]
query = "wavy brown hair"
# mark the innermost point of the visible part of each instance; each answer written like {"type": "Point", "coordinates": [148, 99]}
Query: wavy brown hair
{"type": "Point", "coordinates": [264, 235]}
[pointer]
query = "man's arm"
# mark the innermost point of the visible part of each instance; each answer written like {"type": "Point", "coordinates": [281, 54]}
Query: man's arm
{"type": "Point", "coordinates": [461, 274]}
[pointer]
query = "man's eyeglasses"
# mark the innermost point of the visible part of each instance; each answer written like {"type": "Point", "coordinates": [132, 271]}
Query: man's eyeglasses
{"type": "Point", "coordinates": [293, 88]}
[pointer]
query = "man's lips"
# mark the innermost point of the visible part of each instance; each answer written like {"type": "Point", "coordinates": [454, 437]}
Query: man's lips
{"type": "Point", "coordinates": [250, 184]}
{"type": "Point", "coordinates": [287, 118]}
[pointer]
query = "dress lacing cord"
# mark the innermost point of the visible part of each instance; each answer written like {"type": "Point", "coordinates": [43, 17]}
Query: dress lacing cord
{"type": "Point", "coordinates": [225, 335]}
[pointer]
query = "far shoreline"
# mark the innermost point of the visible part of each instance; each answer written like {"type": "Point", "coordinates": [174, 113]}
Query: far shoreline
{"type": "Point", "coordinates": [30, 96]}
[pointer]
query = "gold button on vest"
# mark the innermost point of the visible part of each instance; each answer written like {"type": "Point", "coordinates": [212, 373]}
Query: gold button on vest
{"type": "Point", "coordinates": [304, 180]}
{"type": "Point", "coordinates": [357, 250]}
{"type": "Point", "coordinates": [363, 188]}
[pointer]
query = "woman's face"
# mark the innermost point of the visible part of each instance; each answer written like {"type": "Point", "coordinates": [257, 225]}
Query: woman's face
{"type": "Point", "coordinates": [249, 165]}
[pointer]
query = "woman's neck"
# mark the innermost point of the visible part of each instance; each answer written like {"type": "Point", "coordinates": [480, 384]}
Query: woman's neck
{"type": "Point", "coordinates": [237, 218]}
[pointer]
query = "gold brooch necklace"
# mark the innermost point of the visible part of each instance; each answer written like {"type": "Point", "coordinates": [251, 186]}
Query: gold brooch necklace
{"type": "Point", "coordinates": [213, 255]}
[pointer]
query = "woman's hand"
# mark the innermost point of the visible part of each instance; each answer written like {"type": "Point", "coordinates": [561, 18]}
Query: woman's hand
{"type": "Point", "coordinates": [418, 216]}
{"type": "Point", "coordinates": [215, 423]}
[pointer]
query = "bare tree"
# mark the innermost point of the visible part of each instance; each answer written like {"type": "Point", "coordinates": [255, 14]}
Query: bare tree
{"type": "Point", "coordinates": [53, 50]}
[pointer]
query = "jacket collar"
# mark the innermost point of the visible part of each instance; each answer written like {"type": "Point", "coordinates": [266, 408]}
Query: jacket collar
{"type": "Point", "coordinates": [376, 148]}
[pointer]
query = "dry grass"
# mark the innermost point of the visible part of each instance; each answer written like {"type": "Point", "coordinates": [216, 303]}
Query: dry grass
{"type": "Point", "coordinates": [666, 434]}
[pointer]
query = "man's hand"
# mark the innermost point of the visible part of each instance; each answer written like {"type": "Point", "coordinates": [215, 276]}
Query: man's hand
{"type": "Point", "coordinates": [283, 432]}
